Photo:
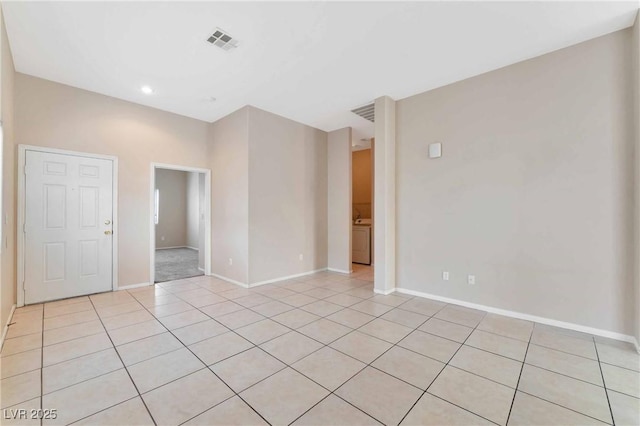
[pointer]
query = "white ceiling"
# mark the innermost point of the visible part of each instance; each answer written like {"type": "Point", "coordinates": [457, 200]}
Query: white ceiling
{"type": "Point", "coordinates": [312, 62]}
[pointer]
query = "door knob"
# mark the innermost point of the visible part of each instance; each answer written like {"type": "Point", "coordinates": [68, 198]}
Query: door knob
{"type": "Point", "coordinates": [107, 222]}
{"type": "Point", "coordinates": [107, 232]}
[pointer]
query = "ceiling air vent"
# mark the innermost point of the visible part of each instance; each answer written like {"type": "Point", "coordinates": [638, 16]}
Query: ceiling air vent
{"type": "Point", "coordinates": [223, 40]}
{"type": "Point", "coordinates": [367, 112]}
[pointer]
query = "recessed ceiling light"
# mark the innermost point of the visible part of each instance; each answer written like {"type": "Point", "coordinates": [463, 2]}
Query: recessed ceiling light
{"type": "Point", "coordinates": [146, 90]}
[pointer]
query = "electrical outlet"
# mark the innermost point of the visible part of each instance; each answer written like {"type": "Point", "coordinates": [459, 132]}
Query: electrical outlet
{"type": "Point", "coordinates": [445, 276]}
{"type": "Point", "coordinates": [471, 279]}
{"type": "Point", "coordinates": [301, 257]}
{"type": "Point", "coordinates": [230, 261]}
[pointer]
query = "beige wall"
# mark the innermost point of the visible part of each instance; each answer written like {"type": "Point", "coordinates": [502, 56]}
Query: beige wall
{"type": "Point", "coordinates": [287, 197]}
{"type": "Point", "coordinates": [7, 264]}
{"type": "Point", "coordinates": [172, 227]}
{"type": "Point", "coordinates": [362, 182]}
{"type": "Point", "coordinates": [636, 78]}
{"type": "Point", "coordinates": [533, 194]}
{"type": "Point", "coordinates": [59, 116]}
{"type": "Point", "coordinates": [228, 159]}
{"type": "Point", "coordinates": [339, 207]}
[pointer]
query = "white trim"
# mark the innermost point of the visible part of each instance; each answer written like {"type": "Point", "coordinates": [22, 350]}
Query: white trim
{"type": "Point", "coordinates": [288, 277]}
{"type": "Point", "coordinates": [175, 247]}
{"type": "Point", "coordinates": [131, 286]}
{"type": "Point", "coordinates": [207, 215]}
{"type": "Point", "coordinates": [384, 292]}
{"type": "Point", "coordinates": [519, 315]}
{"type": "Point", "coordinates": [222, 277]}
{"type": "Point", "coordinates": [340, 271]}
{"type": "Point", "coordinates": [201, 269]}
{"type": "Point", "coordinates": [22, 156]}
{"type": "Point", "coordinates": [5, 330]}
{"type": "Point", "coordinates": [192, 248]}
{"type": "Point", "coordinates": [2, 212]}
{"type": "Point", "coordinates": [384, 195]}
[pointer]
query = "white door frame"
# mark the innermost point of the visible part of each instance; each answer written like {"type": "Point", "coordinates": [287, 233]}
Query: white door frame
{"type": "Point", "coordinates": [22, 156]}
{"type": "Point", "coordinates": [207, 215]}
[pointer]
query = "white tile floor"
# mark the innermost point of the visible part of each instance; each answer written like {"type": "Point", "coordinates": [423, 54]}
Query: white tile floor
{"type": "Point", "coordinates": [318, 350]}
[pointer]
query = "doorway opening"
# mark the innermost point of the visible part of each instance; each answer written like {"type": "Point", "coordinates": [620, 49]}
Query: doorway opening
{"type": "Point", "coordinates": [180, 242]}
{"type": "Point", "coordinates": [362, 193]}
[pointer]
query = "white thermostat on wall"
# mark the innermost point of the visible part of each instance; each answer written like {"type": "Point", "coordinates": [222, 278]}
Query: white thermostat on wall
{"type": "Point", "coordinates": [435, 150]}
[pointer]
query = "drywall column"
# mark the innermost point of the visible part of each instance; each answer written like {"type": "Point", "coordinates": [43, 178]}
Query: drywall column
{"type": "Point", "coordinates": [229, 162]}
{"type": "Point", "coordinates": [385, 195]}
{"type": "Point", "coordinates": [339, 200]}
{"type": "Point", "coordinates": [635, 44]}
{"type": "Point", "coordinates": [7, 187]}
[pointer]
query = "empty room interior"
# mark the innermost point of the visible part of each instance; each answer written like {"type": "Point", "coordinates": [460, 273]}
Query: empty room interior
{"type": "Point", "coordinates": [320, 213]}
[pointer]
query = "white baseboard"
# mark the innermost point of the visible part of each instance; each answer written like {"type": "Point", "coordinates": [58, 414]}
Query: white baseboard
{"type": "Point", "coordinates": [288, 277]}
{"type": "Point", "coordinates": [5, 330]}
{"type": "Point", "coordinates": [384, 292]}
{"type": "Point", "coordinates": [519, 315]}
{"type": "Point", "coordinates": [130, 286]}
{"type": "Point", "coordinates": [192, 248]}
{"type": "Point", "coordinates": [222, 277]}
{"type": "Point", "coordinates": [174, 247]}
{"type": "Point", "coordinates": [340, 271]}
{"type": "Point", "coordinates": [201, 269]}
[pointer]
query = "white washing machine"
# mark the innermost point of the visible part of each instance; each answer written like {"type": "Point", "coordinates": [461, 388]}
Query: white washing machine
{"type": "Point", "coordinates": [361, 241]}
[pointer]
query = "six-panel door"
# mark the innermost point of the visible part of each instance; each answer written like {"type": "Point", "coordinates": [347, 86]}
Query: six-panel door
{"type": "Point", "coordinates": [68, 226]}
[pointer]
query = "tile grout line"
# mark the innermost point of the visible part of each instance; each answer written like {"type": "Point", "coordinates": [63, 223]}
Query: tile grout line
{"type": "Point", "coordinates": [271, 299]}
{"type": "Point", "coordinates": [370, 363]}
{"type": "Point", "coordinates": [604, 383]}
{"type": "Point", "coordinates": [286, 364]}
{"type": "Point", "coordinates": [289, 365]}
{"type": "Point", "coordinates": [107, 408]}
{"type": "Point", "coordinates": [553, 402]}
{"type": "Point", "coordinates": [358, 329]}
{"type": "Point", "coordinates": [332, 392]}
{"type": "Point", "coordinates": [524, 360]}
{"type": "Point", "coordinates": [205, 367]}
{"type": "Point", "coordinates": [125, 369]}
{"type": "Point", "coordinates": [440, 372]}
{"type": "Point", "coordinates": [85, 380]}
{"type": "Point", "coordinates": [562, 406]}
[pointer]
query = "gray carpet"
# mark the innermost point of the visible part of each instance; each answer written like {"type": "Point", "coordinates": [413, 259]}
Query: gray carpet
{"type": "Point", "coordinates": [173, 264]}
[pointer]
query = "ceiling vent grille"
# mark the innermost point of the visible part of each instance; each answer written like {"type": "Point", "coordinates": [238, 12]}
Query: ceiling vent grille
{"type": "Point", "coordinates": [223, 40]}
{"type": "Point", "coordinates": [367, 112]}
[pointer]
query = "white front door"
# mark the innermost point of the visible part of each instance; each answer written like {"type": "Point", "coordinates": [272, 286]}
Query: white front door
{"type": "Point", "coordinates": [68, 226]}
